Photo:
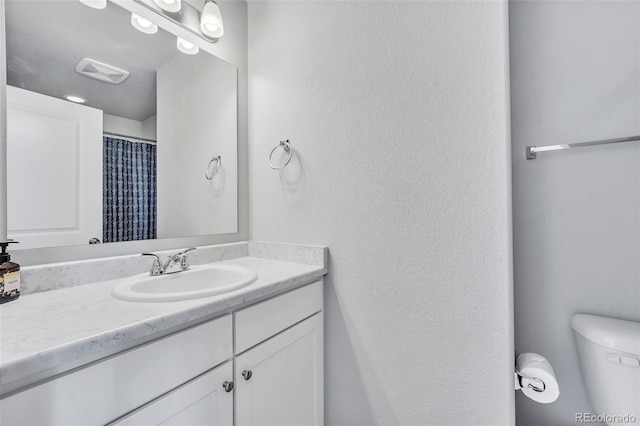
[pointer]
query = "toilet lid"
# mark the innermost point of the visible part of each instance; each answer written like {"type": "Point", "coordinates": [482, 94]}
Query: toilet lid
{"type": "Point", "coordinates": [610, 332]}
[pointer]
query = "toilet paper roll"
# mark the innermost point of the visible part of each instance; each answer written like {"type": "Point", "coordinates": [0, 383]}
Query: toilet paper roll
{"type": "Point", "coordinates": [536, 366]}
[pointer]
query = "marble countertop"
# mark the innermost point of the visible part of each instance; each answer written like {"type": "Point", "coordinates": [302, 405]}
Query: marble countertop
{"type": "Point", "coordinates": [48, 333]}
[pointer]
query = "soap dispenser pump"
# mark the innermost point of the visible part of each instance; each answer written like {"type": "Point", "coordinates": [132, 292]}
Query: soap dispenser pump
{"type": "Point", "coordinates": [9, 275]}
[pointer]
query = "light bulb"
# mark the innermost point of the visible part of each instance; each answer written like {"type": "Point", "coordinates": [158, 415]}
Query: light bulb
{"type": "Point", "coordinates": [95, 4]}
{"type": "Point", "coordinates": [211, 20]}
{"type": "Point", "coordinates": [169, 5]}
{"type": "Point", "coordinates": [187, 47]}
{"type": "Point", "coordinates": [74, 98]}
{"type": "Point", "coordinates": [211, 27]}
{"type": "Point", "coordinates": [143, 25]}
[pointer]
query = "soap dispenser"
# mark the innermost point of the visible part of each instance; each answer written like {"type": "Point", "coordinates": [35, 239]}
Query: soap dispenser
{"type": "Point", "coordinates": [9, 276]}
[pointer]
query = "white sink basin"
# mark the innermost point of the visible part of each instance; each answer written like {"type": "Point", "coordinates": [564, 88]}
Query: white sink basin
{"type": "Point", "coordinates": [198, 281]}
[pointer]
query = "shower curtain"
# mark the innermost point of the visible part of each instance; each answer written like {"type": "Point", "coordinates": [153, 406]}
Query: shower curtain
{"type": "Point", "coordinates": [129, 190]}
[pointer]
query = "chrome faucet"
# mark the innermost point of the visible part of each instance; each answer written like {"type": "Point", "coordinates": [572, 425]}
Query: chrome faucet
{"type": "Point", "coordinates": [176, 263]}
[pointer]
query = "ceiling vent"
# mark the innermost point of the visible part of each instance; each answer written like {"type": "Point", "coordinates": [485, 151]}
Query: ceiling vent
{"type": "Point", "coordinates": [101, 71]}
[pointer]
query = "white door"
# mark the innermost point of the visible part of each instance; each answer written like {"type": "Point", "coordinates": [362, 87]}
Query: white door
{"type": "Point", "coordinates": [203, 401]}
{"type": "Point", "coordinates": [280, 381]}
{"type": "Point", "coordinates": [54, 170]}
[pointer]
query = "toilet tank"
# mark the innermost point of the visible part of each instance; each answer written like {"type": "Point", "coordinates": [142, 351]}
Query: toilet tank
{"type": "Point", "coordinates": [609, 352]}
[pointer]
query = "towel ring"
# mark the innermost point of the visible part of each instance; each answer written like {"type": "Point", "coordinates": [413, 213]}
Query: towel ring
{"type": "Point", "coordinates": [286, 145]}
{"type": "Point", "coordinates": [218, 162]}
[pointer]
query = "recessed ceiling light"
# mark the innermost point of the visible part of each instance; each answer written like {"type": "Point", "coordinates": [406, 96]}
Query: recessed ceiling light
{"type": "Point", "coordinates": [211, 20]}
{"type": "Point", "coordinates": [96, 4]}
{"type": "Point", "coordinates": [187, 47]}
{"type": "Point", "coordinates": [143, 25]}
{"type": "Point", "coordinates": [169, 5]}
{"type": "Point", "coordinates": [74, 98]}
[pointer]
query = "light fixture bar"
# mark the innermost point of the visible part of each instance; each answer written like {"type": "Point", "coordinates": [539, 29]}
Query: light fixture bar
{"type": "Point", "coordinates": [188, 18]}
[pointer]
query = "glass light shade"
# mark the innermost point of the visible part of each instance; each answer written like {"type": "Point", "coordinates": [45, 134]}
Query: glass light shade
{"type": "Point", "coordinates": [143, 25]}
{"type": "Point", "coordinates": [187, 47]}
{"type": "Point", "coordinates": [211, 20]}
{"type": "Point", "coordinates": [169, 5]}
{"type": "Point", "coordinates": [96, 4]}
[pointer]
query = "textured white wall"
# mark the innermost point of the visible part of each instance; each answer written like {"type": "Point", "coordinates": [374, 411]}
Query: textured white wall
{"type": "Point", "coordinates": [125, 126]}
{"type": "Point", "coordinates": [398, 114]}
{"type": "Point", "coordinates": [575, 76]}
{"type": "Point", "coordinates": [197, 119]}
{"type": "Point", "coordinates": [149, 127]}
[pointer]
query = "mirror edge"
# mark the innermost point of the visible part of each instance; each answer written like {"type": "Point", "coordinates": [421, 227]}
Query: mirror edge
{"type": "Point", "coordinates": [3, 127]}
{"type": "Point", "coordinates": [46, 255]}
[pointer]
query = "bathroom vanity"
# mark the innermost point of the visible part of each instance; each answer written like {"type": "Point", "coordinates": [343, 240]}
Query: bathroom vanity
{"type": "Point", "coordinates": [250, 356]}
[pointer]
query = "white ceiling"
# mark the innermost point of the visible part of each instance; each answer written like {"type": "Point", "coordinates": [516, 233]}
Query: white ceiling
{"type": "Point", "coordinates": [47, 38]}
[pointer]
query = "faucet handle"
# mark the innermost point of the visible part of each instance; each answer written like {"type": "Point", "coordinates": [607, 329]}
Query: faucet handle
{"type": "Point", "coordinates": [184, 261]}
{"type": "Point", "coordinates": [156, 268]}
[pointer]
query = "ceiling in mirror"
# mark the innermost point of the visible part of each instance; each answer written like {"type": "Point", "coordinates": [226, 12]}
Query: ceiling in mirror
{"type": "Point", "coordinates": [47, 39]}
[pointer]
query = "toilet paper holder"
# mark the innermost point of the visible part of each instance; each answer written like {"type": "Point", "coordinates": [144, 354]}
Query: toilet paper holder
{"type": "Point", "coordinates": [534, 376]}
{"type": "Point", "coordinates": [522, 381]}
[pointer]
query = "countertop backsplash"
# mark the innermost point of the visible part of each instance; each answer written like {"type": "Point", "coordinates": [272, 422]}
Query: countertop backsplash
{"type": "Point", "coordinates": [53, 276]}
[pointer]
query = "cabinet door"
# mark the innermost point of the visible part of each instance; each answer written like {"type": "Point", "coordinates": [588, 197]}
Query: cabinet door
{"type": "Point", "coordinates": [285, 385]}
{"type": "Point", "coordinates": [201, 401]}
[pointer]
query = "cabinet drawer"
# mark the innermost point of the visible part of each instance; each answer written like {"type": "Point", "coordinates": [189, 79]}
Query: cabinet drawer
{"type": "Point", "coordinates": [259, 322]}
{"type": "Point", "coordinates": [108, 389]}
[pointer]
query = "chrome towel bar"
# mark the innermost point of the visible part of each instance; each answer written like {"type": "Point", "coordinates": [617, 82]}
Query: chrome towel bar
{"type": "Point", "coordinates": [533, 150]}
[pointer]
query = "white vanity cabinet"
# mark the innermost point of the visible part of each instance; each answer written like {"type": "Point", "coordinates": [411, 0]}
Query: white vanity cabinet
{"type": "Point", "coordinates": [279, 382]}
{"type": "Point", "coordinates": [106, 390]}
{"type": "Point", "coordinates": [195, 376]}
{"type": "Point", "coordinates": [279, 374]}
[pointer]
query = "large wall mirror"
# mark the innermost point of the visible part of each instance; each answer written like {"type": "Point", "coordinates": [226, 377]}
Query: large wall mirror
{"type": "Point", "coordinates": [114, 133]}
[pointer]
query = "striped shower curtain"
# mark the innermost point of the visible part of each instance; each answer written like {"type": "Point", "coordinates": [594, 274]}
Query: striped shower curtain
{"type": "Point", "coordinates": [129, 190]}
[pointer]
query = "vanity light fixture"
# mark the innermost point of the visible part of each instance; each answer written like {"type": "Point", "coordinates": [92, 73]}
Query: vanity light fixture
{"type": "Point", "coordinates": [143, 25]}
{"type": "Point", "coordinates": [211, 20]}
{"type": "Point", "coordinates": [95, 4]}
{"type": "Point", "coordinates": [76, 99]}
{"type": "Point", "coordinates": [187, 47]}
{"type": "Point", "coordinates": [169, 5]}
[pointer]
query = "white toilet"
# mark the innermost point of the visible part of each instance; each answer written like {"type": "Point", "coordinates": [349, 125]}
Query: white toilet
{"type": "Point", "coordinates": [609, 351]}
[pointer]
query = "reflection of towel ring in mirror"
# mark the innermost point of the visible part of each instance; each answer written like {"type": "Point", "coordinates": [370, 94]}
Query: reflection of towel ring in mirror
{"type": "Point", "coordinates": [218, 162]}
{"type": "Point", "coordinates": [286, 145]}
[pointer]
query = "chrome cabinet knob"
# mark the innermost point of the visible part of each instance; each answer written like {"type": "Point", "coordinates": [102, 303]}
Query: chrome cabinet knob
{"type": "Point", "coordinates": [227, 386]}
{"type": "Point", "coordinates": [247, 374]}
